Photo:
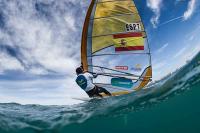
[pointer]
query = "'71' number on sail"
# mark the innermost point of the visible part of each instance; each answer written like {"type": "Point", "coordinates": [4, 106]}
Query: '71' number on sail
{"type": "Point", "coordinates": [133, 27]}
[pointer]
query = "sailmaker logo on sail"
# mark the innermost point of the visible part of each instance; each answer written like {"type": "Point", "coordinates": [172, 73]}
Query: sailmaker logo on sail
{"type": "Point", "coordinates": [128, 41]}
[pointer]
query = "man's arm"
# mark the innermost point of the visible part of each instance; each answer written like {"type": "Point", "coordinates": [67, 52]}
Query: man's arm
{"type": "Point", "coordinates": [93, 75]}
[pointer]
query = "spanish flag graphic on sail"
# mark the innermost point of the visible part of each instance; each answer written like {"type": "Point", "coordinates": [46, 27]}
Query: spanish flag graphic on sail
{"type": "Point", "coordinates": [131, 41]}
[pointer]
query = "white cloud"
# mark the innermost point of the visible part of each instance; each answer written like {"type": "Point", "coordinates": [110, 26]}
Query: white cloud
{"type": "Point", "coordinates": [43, 92]}
{"type": "Point", "coordinates": [47, 33]}
{"type": "Point", "coordinates": [193, 51]}
{"type": "Point", "coordinates": [46, 38]}
{"type": "Point", "coordinates": [190, 10]}
{"type": "Point", "coordinates": [9, 63]}
{"type": "Point", "coordinates": [159, 65]}
{"type": "Point", "coordinates": [38, 71]}
{"type": "Point", "coordinates": [180, 52]}
{"type": "Point", "coordinates": [161, 49]}
{"type": "Point", "coordinates": [185, 54]}
{"type": "Point", "coordinates": [175, 61]}
{"type": "Point", "coordinates": [194, 33]}
{"type": "Point", "coordinates": [187, 14]}
{"type": "Point", "coordinates": [171, 20]}
{"type": "Point", "coordinates": [155, 6]}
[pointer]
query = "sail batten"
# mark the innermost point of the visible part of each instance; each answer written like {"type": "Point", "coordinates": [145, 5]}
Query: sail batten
{"type": "Point", "coordinates": [114, 16]}
{"type": "Point", "coordinates": [144, 34]}
{"type": "Point", "coordinates": [116, 54]}
{"type": "Point", "coordinates": [115, 45]}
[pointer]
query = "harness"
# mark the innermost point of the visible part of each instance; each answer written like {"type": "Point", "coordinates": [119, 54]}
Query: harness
{"type": "Point", "coordinates": [81, 81]}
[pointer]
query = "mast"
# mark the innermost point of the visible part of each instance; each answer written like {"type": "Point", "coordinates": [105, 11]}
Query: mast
{"type": "Point", "coordinates": [84, 37]}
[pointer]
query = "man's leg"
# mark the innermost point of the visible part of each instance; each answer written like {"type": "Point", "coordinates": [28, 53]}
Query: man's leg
{"type": "Point", "coordinates": [98, 95]}
{"type": "Point", "coordinates": [101, 89]}
{"type": "Point", "coordinates": [90, 93]}
{"type": "Point", "coordinates": [94, 93]}
{"type": "Point", "coordinates": [97, 92]}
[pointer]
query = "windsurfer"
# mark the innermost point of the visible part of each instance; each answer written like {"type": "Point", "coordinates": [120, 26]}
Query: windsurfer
{"type": "Point", "coordinates": [84, 80]}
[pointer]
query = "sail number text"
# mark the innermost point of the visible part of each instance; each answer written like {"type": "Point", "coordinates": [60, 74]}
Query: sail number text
{"type": "Point", "coordinates": [133, 27]}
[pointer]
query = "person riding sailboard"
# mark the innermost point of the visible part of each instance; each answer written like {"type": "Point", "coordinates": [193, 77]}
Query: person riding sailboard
{"type": "Point", "coordinates": [114, 45]}
{"type": "Point", "coordinates": [84, 80]}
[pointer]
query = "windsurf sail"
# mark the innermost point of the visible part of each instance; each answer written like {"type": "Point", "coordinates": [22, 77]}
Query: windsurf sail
{"type": "Point", "coordinates": [115, 46]}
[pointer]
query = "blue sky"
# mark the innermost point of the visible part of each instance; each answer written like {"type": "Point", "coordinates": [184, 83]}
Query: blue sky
{"type": "Point", "coordinates": [40, 44]}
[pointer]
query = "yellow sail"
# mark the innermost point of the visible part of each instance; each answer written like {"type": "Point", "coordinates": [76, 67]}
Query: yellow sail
{"type": "Point", "coordinates": [114, 38]}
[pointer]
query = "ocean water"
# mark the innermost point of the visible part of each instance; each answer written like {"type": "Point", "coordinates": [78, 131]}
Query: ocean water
{"type": "Point", "coordinates": [166, 106]}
